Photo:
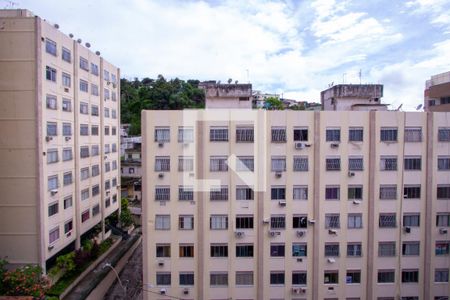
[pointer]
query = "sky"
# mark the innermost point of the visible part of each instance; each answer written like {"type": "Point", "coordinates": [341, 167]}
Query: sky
{"type": "Point", "coordinates": [293, 48]}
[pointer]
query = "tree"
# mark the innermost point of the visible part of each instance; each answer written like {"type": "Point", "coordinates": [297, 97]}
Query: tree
{"type": "Point", "coordinates": [273, 103]}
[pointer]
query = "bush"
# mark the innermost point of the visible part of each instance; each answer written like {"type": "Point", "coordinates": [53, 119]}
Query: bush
{"type": "Point", "coordinates": [81, 258]}
{"type": "Point", "coordinates": [125, 218]}
{"type": "Point", "coordinates": [25, 281]}
{"type": "Point", "coordinates": [66, 262]}
{"type": "Point", "coordinates": [95, 250]}
{"type": "Point", "coordinates": [87, 245]}
{"type": "Point", "coordinates": [124, 204]}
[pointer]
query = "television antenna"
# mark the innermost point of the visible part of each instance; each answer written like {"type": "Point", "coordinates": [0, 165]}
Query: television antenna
{"type": "Point", "coordinates": [10, 4]}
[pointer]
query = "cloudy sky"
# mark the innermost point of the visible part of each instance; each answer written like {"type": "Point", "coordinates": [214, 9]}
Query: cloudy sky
{"type": "Point", "coordinates": [295, 48]}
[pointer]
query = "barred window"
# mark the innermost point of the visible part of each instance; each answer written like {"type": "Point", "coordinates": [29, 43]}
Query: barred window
{"type": "Point", "coordinates": [52, 129]}
{"type": "Point", "coordinates": [163, 278]}
{"type": "Point", "coordinates": [355, 192]}
{"type": "Point", "coordinates": [84, 64]}
{"type": "Point", "coordinates": [278, 164]}
{"type": "Point", "coordinates": [333, 135]}
{"type": "Point", "coordinates": [94, 130]}
{"type": "Point", "coordinates": [413, 163]}
{"type": "Point", "coordinates": [355, 134]}
{"type": "Point", "coordinates": [162, 134]}
{"type": "Point", "coordinates": [219, 250]}
{"type": "Point", "coordinates": [84, 129]}
{"type": "Point", "coordinates": [162, 164]}
{"type": "Point", "coordinates": [386, 249]}
{"type": "Point", "coordinates": [52, 182]}
{"type": "Point", "coordinates": [53, 235]}
{"type": "Point", "coordinates": [218, 134]}
{"type": "Point", "coordinates": [299, 278]}
{"type": "Point", "coordinates": [354, 221]}
{"type": "Point", "coordinates": [85, 194]}
{"type": "Point", "coordinates": [245, 163]}
{"type": "Point", "coordinates": [52, 156]}
{"type": "Point", "coordinates": [277, 222]}
{"type": "Point", "coordinates": [277, 250]}
{"type": "Point", "coordinates": [50, 47]}
{"type": "Point", "coordinates": [411, 248]}
{"type": "Point", "coordinates": [53, 209]}
{"type": "Point", "coordinates": [441, 275]}
{"type": "Point", "coordinates": [218, 164]}
{"type": "Point", "coordinates": [331, 249]}
{"type": "Point", "coordinates": [218, 279]}
{"type": "Point", "coordinates": [388, 192]}
{"type": "Point", "coordinates": [278, 134]}
{"type": "Point", "coordinates": [413, 134]}
{"type": "Point", "coordinates": [66, 55]}
{"type": "Point", "coordinates": [443, 163]}
{"type": "Point", "coordinates": [386, 276]}
{"type": "Point", "coordinates": [186, 222]}
{"type": "Point", "coordinates": [354, 249]}
{"type": "Point", "coordinates": [185, 193]}
{"type": "Point", "coordinates": [332, 193]}
{"type": "Point", "coordinates": [84, 173]}
{"type": "Point", "coordinates": [66, 105]}
{"type": "Point", "coordinates": [68, 202]}
{"type": "Point", "coordinates": [300, 134]}
{"type": "Point", "coordinates": [278, 193]}
{"type": "Point", "coordinates": [94, 69]}
{"type": "Point", "coordinates": [353, 276]}
{"type": "Point", "coordinates": [244, 193]}
{"type": "Point", "coordinates": [411, 192]}
{"type": "Point", "coordinates": [300, 163]}
{"type": "Point", "coordinates": [218, 193]}
{"type": "Point", "coordinates": [185, 164]}
{"type": "Point", "coordinates": [443, 220]}
{"type": "Point", "coordinates": [387, 221]}
{"type": "Point", "coordinates": [68, 178]}
{"type": "Point", "coordinates": [244, 222]}
{"type": "Point", "coordinates": [388, 134]}
{"type": "Point", "coordinates": [162, 193]}
{"type": "Point", "coordinates": [388, 163]}
{"type": "Point", "coordinates": [95, 190]}
{"type": "Point", "coordinates": [244, 134]}
{"type": "Point", "coordinates": [299, 249]}
{"type": "Point", "coordinates": [410, 276]}
{"type": "Point", "coordinates": [94, 91]}
{"type": "Point", "coordinates": [67, 129]}
{"type": "Point", "coordinates": [244, 250]}
{"type": "Point", "coordinates": [443, 191]}
{"type": "Point", "coordinates": [411, 220]}
{"type": "Point", "coordinates": [355, 164]}
{"type": "Point", "coordinates": [299, 221]}
{"type": "Point", "coordinates": [331, 277]}
{"type": "Point", "coordinates": [333, 164]}
{"type": "Point", "coordinates": [444, 134]}
{"type": "Point", "coordinates": [84, 151]}
{"type": "Point", "coordinates": [95, 150]}
{"type": "Point", "coordinates": [277, 277]}
{"type": "Point", "coordinates": [185, 134]}
{"type": "Point", "coordinates": [218, 222]}
{"type": "Point", "coordinates": [244, 278]}
{"type": "Point", "coordinates": [186, 251]}
{"type": "Point", "coordinates": [332, 221]}
{"type": "Point", "coordinates": [67, 154]}
{"type": "Point", "coordinates": [84, 86]}
{"type": "Point", "coordinates": [186, 278]}
{"type": "Point", "coordinates": [51, 102]}
{"type": "Point", "coordinates": [300, 193]}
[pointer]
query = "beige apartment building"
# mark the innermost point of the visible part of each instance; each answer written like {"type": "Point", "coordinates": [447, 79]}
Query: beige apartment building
{"type": "Point", "coordinates": [437, 93]}
{"type": "Point", "coordinates": [59, 123]}
{"type": "Point", "coordinates": [255, 204]}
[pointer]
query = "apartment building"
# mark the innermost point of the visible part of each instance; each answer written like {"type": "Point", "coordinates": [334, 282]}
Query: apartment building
{"type": "Point", "coordinates": [437, 93]}
{"type": "Point", "coordinates": [255, 204]}
{"type": "Point", "coordinates": [59, 123]}
{"type": "Point", "coordinates": [354, 97]}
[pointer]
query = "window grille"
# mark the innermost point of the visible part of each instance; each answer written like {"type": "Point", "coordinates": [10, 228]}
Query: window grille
{"type": "Point", "coordinates": [278, 134]}
{"type": "Point", "coordinates": [300, 163]}
{"type": "Point", "coordinates": [244, 134]}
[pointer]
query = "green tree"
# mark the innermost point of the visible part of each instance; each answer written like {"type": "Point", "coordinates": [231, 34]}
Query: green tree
{"type": "Point", "coordinates": [273, 103]}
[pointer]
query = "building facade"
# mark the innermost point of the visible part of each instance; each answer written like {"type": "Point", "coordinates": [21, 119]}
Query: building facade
{"type": "Point", "coordinates": [437, 93]}
{"type": "Point", "coordinates": [355, 97]}
{"type": "Point", "coordinates": [220, 95]}
{"type": "Point", "coordinates": [59, 139]}
{"type": "Point", "coordinates": [242, 204]}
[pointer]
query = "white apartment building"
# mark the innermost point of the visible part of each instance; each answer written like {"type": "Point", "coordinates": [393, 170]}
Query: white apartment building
{"type": "Point", "coordinates": [253, 204]}
{"type": "Point", "coordinates": [59, 139]}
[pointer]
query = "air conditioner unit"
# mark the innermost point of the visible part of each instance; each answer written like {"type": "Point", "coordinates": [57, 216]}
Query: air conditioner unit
{"type": "Point", "coordinates": [160, 263]}
{"type": "Point", "coordinates": [356, 201]}
{"type": "Point", "coordinates": [407, 229]}
{"type": "Point", "coordinates": [162, 291]}
{"type": "Point", "coordinates": [54, 191]}
{"type": "Point", "coordinates": [299, 259]}
{"type": "Point", "coordinates": [50, 248]}
{"type": "Point", "coordinates": [239, 234]}
{"type": "Point", "coordinates": [282, 203]}
{"type": "Point", "coordinates": [67, 138]}
{"type": "Point", "coordinates": [351, 174]}
{"type": "Point", "coordinates": [48, 138]}
{"type": "Point", "coordinates": [185, 291]}
{"type": "Point", "coordinates": [107, 192]}
{"type": "Point", "coordinates": [160, 145]}
{"type": "Point", "coordinates": [332, 231]}
{"type": "Point", "coordinates": [299, 146]}
{"type": "Point", "coordinates": [295, 290]}
{"type": "Point", "coordinates": [66, 90]}
{"type": "Point", "coordinates": [311, 221]}
{"type": "Point", "coordinates": [302, 290]}
{"type": "Point", "coordinates": [266, 221]}
{"type": "Point", "coordinates": [272, 233]}
{"type": "Point", "coordinates": [278, 174]}
{"type": "Point", "coordinates": [161, 175]}
{"type": "Point", "coordinates": [108, 83]}
{"type": "Point", "coordinates": [443, 230]}
{"type": "Point", "coordinates": [331, 260]}
{"type": "Point", "coordinates": [69, 234]}
{"type": "Point", "coordinates": [300, 233]}
{"type": "Point", "coordinates": [334, 145]}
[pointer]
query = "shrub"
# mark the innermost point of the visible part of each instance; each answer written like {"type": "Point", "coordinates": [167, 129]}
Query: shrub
{"type": "Point", "coordinates": [25, 281]}
{"type": "Point", "coordinates": [81, 258]}
{"type": "Point", "coordinates": [87, 245]}
{"type": "Point", "coordinates": [66, 262]}
{"type": "Point", "coordinates": [125, 218]}
{"type": "Point", "coordinates": [95, 250]}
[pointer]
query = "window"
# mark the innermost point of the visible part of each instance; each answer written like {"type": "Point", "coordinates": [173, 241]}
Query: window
{"type": "Point", "coordinates": [218, 164]}
{"type": "Point", "coordinates": [277, 222]}
{"type": "Point", "coordinates": [300, 193]}
{"type": "Point", "coordinates": [218, 134]}
{"type": "Point", "coordinates": [299, 249]}
{"type": "Point", "coordinates": [387, 221]}
{"type": "Point", "coordinates": [441, 275]}
{"type": "Point", "coordinates": [52, 156]}
{"type": "Point", "coordinates": [388, 134]}
{"type": "Point", "coordinates": [67, 154]}
{"type": "Point", "coordinates": [300, 134]}
{"type": "Point", "coordinates": [84, 86]}
{"type": "Point", "coordinates": [443, 134]}
{"type": "Point", "coordinates": [244, 250]}
{"type": "Point", "coordinates": [185, 135]}
{"type": "Point", "coordinates": [299, 221]}
{"type": "Point", "coordinates": [106, 130]}
{"type": "Point", "coordinates": [113, 78]}
{"type": "Point", "coordinates": [443, 191]}
{"type": "Point", "coordinates": [85, 216]}
{"type": "Point", "coordinates": [413, 163]}
{"type": "Point", "coordinates": [50, 73]}
{"type": "Point", "coordinates": [66, 55]}
{"type": "Point", "coordinates": [411, 220]}
{"type": "Point", "coordinates": [163, 278]}
{"type": "Point", "coordinates": [51, 102]}
{"type": "Point", "coordinates": [331, 277]}
{"type": "Point", "coordinates": [96, 210]}
{"type": "Point", "coordinates": [84, 173]}
{"type": "Point", "coordinates": [162, 222]}
{"type": "Point", "coordinates": [50, 47]}
{"type": "Point", "coordinates": [66, 105]}
{"type": "Point", "coordinates": [388, 192]}
{"type": "Point", "coordinates": [94, 130]}
{"type": "Point", "coordinates": [185, 193]}
{"type": "Point", "coordinates": [94, 110]}
{"type": "Point", "coordinates": [331, 249]}
{"type": "Point", "coordinates": [68, 202]}
{"type": "Point", "coordinates": [354, 249]}
{"type": "Point", "coordinates": [84, 64]}
{"type": "Point", "coordinates": [386, 276]}
{"type": "Point", "coordinates": [106, 112]}
{"type": "Point", "coordinates": [113, 130]}
{"type": "Point", "coordinates": [52, 182]}
{"type": "Point", "coordinates": [355, 164]}
{"type": "Point", "coordinates": [299, 278]}
{"type": "Point", "coordinates": [332, 221]}
{"type": "Point", "coordinates": [52, 129]}
{"type": "Point", "coordinates": [84, 151]}
{"type": "Point", "coordinates": [333, 164]}
{"type": "Point", "coordinates": [219, 250]}
{"type": "Point", "coordinates": [355, 134]}
{"type": "Point", "coordinates": [66, 81]}
{"type": "Point", "coordinates": [162, 164]}
{"type": "Point", "coordinates": [186, 222]}
{"type": "Point", "coordinates": [354, 221]}
{"type": "Point", "coordinates": [113, 112]}
{"type": "Point", "coordinates": [67, 178]}
{"type": "Point", "coordinates": [244, 278]}
{"type": "Point", "coordinates": [355, 192]}
{"type": "Point", "coordinates": [410, 276]}
{"type": "Point", "coordinates": [278, 164]}
{"type": "Point", "coordinates": [218, 279]}
{"type": "Point", "coordinates": [443, 163]}
{"type": "Point", "coordinates": [106, 93]}
{"type": "Point", "coordinates": [244, 135]}
{"type": "Point", "coordinates": [333, 135]}
{"type": "Point", "coordinates": [411, 248]}
{"type": "Point", "coordinates": [443, 220]}
{"type": "Point", "coordinates": [277, 250]}
{"type": "Point", "coordinates": [94, 90]}
{"type": "Point", "coordinates": [107, 202]}
{"type": "Point", "coordinates": [105, 75]}
{"type": "Point", "coordinates": [95, 190]}
{"type": "Point", "coordinates": [68, 226]}
{"type": "Point", "coordinates": [442, 248]}
{"type": "Point", "coordinates": [94, 69]}
{"type": "Point", "coordinates": [300, 163]}
{"type": "Point", "coordinates": [67, 129]}
{"type": "Point", "coordinates": [187, 278]}
{"type": "Point", "coordinates": [85, 194]}
{"type": "Point", "coordinates": [113, 98]}
{"type": "Point", "coordinates": [245, 163]}
{"type": "Point", "coordinates": [162, 250]}
{"type": "Point", "coordinates": [95, 150]}
{"type": "Point", "coordinates": [218, 222]}
{"type": "Point", "coordinates": [413, 134]}
{"type": "Point", "coordinates": [278, 193]}
{"type": "Point", "coordinates": [114, 147]}
{"type": "Point", "coordinates": [114, 164]}
{"type": "Point", "coordinates": [332, 193]}
{"type": "Point", "coordinates": [277, 277]}
{"type": "Point", "coordinates": [107, 185]}
{"type": "Point", "coordinates": [53, 209]}
{"type": "Point", "coordinates": [84, 108]}
{"type": "Point", "coordinates": [218, 193]}
{"type": "Point", "coordinates": [353, 276]}
{"type": "Point", "coordinates": [386, 249]}
{"type": "Point", "coordinates": [162, 134]}
{"type": "Point", "coordinates": [244, 222]}
{"type": "Point", "coordinates": [278, 134]}
{"type": "Point", "coordinates": [411, 192]}
{"type": "Point", "coordinates": [53, 235]}
{"type": "Point", "coordinates": [388, 163]}
{"type": "Point", "coordinates": [244, 193]}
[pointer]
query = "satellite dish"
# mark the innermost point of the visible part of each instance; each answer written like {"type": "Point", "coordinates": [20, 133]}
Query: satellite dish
{"type": "Point", "coordinates": [87, 45]}
{"type": "Point", "coordinates": [79, 41]}
{"type": "Point", "coordinates": [419, 106]}
{"type": "Point", "coordinates": [230, 80]}
{"type": "Point", "coordinates": [97, 52]}
{"type": "Point", "coordinates": [71, 35]}
{"type": "Point", "coordinates": [56, 26]}
{"type": "Point", "coordinates": [236, 82]}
